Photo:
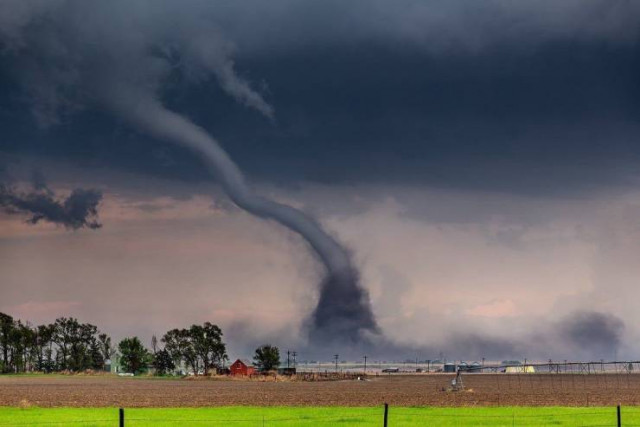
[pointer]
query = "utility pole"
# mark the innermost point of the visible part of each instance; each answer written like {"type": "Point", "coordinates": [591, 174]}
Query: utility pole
{"type": "Point", "coordinates": [287, 359]}
{"type": "Point", "coordinates": [335, 356]}
{"type": "Point", "coordinates": [294, 354]}
{"type": "Point", "coordinates": [365, 364]}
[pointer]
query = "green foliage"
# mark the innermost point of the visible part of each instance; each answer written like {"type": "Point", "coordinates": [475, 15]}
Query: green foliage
{"type": "Point", "coordinates": [200, 347]}
{"type": "Point", "coordinates": [69, 345]}
{"type": "Point", "coordinates": [208, 345]}
{"type": "Point", "coordinates": [267, 357]}
{"type": "Point", "coordinates": [6, 328]}
{"type": "Point", "coordinates": [64, 345]}
{"type": "Point", "coordinates": [163, 362]}
{"type": "Point", "coordinates": [134, 358]}
{"type": "Point", "coordinates": [44, 348]}
{"type": "Point", "coordinates": [177, 342]}
{"type": "Point", "coordinates": [77, 345]}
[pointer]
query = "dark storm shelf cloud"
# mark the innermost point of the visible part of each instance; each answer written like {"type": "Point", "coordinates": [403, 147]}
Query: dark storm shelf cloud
{"type": "Point", "coordinates": [430, 125]}
{"type": "Point", "coordinates": [516, 97]}
{"type": "Point", "coordinates": [435, 25]}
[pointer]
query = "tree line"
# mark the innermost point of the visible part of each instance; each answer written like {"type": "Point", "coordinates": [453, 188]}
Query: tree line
{"type": "Point", "coordinates": [64, 345]}
{"type": "Point", "coordinates": [69, 345]}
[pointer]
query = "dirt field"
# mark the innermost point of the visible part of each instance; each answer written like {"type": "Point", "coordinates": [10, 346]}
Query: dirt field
{"type": "Point", "coordinates": [397, 390]}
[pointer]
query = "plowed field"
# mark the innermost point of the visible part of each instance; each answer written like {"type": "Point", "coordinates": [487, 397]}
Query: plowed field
{"type": "Point", "coordinates": [397, 390]}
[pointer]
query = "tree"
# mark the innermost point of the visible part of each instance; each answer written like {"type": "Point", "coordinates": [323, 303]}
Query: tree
{"type": "Point", "coordinates": [208, 345]}
{"type": "Point", "coordinates": [200, 347]}
{"type": "Point", "coordinates": [96, 356]}
{"type": "Point", "coordinates": [6, 328]}
{"type": "Point", "coordinates": [65, 344]}
{"type": "Point", "coordinates": [105, 346]}
{"type": "Point", "coordinates": [267, 357]}
{"type": "Point", "coordinates": [16, 355]}
{"type": "Point", "coordinates": [178, 343]}
{"type": "Point", "coordinates": [82, 340]}
{"type": "Point", "coordinates": [154, 344]}
{"type": "Point", "coordinates": [44, 336]}
{"type": "Point", "coordinates": [134, 357]}
{"type": "Point", "coordinates": [64, 329]}
{"type": "Point", "coordinates": [25, 344]}
{"type": "Point", "coordinates": [74, 341]}
{"type": "Point", "coordinates": [162, 362]}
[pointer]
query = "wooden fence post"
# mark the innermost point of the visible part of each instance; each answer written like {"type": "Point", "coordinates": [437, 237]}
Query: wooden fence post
{"type": "Point", "coordinates": [619, 417]}
{"type": "Point", "coordinates": [121, 417]}
{"type": "Point", "coordinates": [386, 414]}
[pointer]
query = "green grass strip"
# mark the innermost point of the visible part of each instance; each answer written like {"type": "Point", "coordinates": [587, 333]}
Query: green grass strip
{"type": "Point", "coordinates": [320, 416]}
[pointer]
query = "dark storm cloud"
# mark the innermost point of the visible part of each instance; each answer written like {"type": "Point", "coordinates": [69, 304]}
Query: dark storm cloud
{"type": "Point", "coordinates": [493, 95]}
{"type": "Point", "coordinates": [593, 332]}
{"type": "Point", "coordinates": [477, 345]}
{"type": "Point", "coordinates": [40, 204]}
{"type": "Point", "coordinates": [581, 335]}
{"type": "Point", "coordinates": [504, 120]}
{"type": "Point", "coordinates": [78, 210]}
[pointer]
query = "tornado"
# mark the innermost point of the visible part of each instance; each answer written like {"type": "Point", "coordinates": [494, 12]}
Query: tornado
{"type": "Point", "coordinates": [343, 313]}
{"type": "Point", "coordinates": [119, 56]}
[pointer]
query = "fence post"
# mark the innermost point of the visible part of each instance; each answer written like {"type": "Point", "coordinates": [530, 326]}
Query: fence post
{"type": "Point", "coordinates": [619, 417]}
{"type": "Point", "coordinates": [386, 414]}
{"type": "Point", "coordinates": [121, 417]}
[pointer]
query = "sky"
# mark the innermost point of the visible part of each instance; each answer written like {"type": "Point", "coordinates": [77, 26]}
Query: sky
{"type": "Point", "coordinates": [479, 161]}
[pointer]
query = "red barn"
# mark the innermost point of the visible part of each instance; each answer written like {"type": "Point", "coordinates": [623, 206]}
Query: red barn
{"type": "Point", "coordinates": [241, 368]}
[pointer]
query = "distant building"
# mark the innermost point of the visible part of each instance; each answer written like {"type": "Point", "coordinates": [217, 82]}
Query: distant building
{"type": "Point", "coordinates": [473, 367]}
{"type": "Point", "coordinates": [286, 371]}
{"type": "Point", "coordinates": [223, 371]}
{"type": "Point", "coordinates": [450, 367]}
{"type": "Point", "coordinates": [241, 368]}
{"type": "Point", "coordinates": [113, 365]}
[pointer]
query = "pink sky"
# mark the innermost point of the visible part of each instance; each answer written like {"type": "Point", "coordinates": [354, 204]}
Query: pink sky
{"type": "Point", "coordinates": [161, 262]}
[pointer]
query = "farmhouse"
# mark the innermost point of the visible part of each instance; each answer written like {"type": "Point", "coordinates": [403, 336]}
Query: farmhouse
{"type": "Point", "coordinates": [241, 368]}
